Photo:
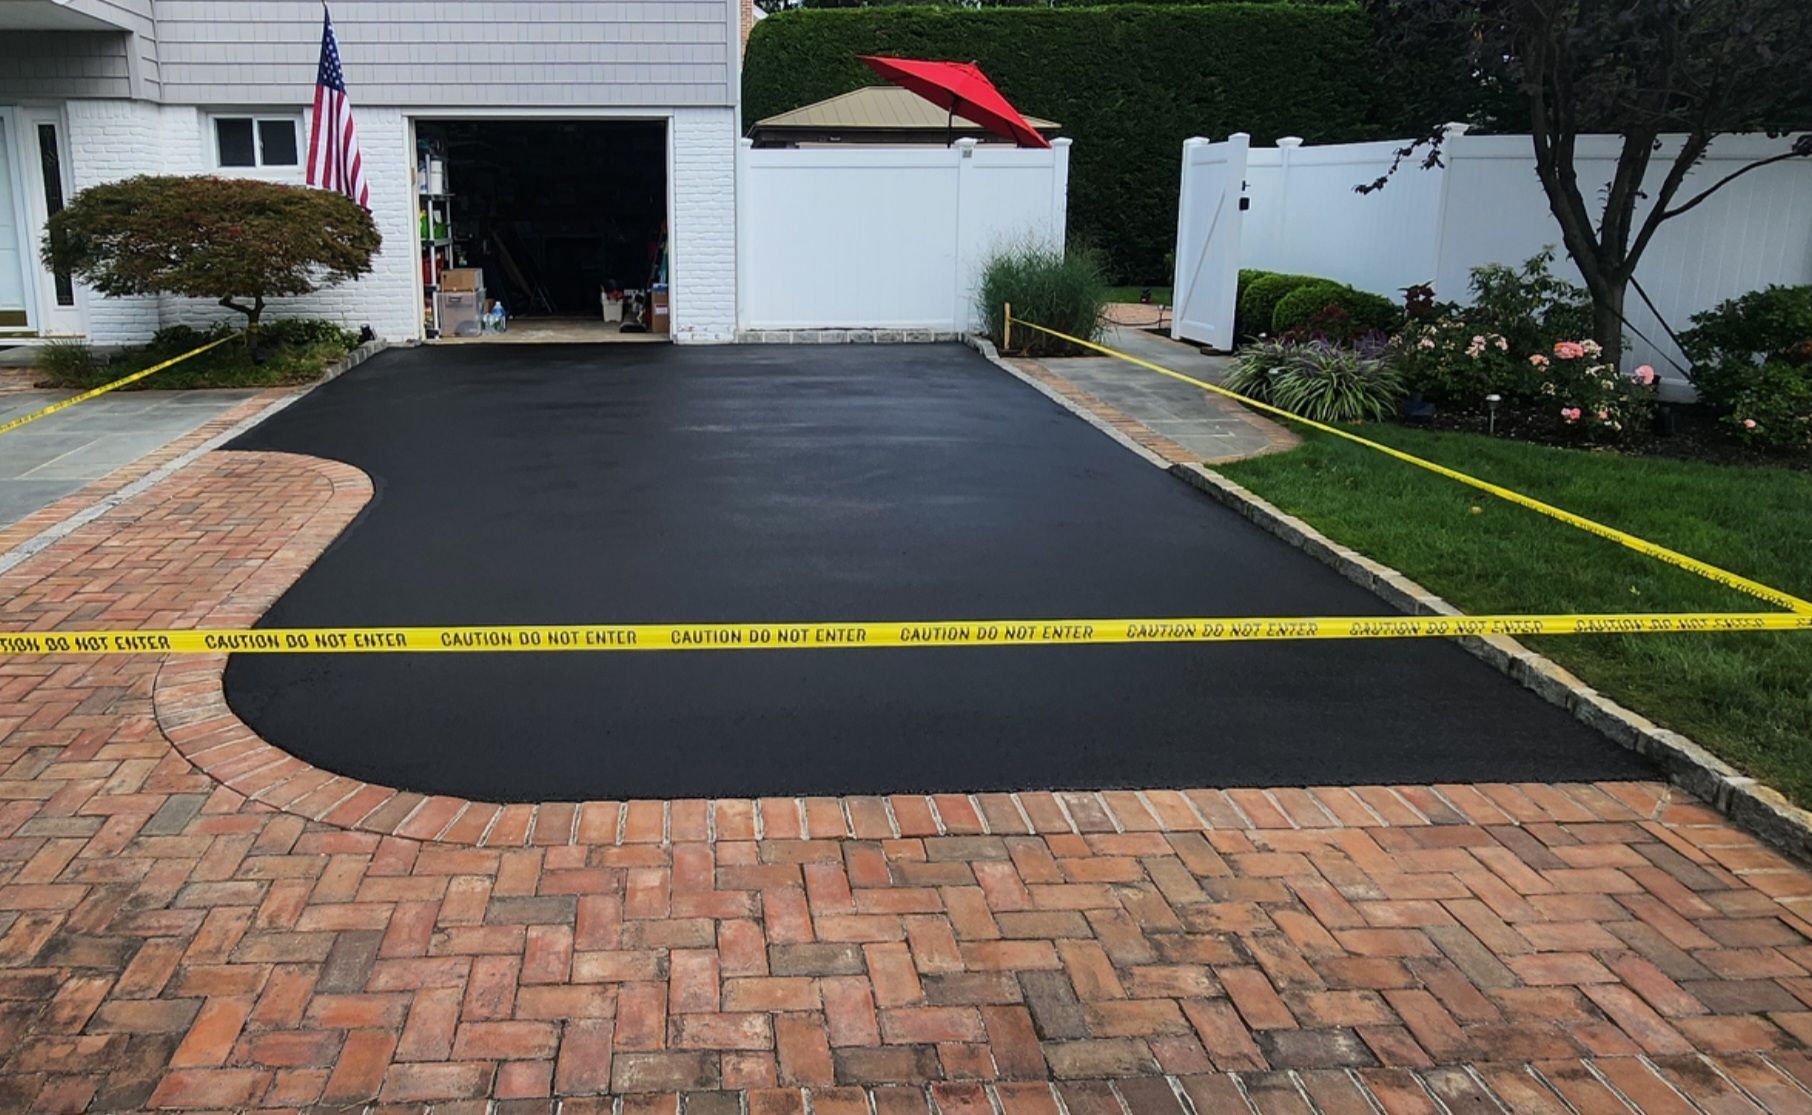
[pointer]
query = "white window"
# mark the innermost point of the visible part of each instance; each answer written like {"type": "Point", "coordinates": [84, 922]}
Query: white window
{"type": "Point", "coordinates": [257, 141]}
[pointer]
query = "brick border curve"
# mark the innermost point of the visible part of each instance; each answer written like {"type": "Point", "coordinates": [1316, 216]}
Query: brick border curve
{"type": "Point", "coordinates": [190, 707]}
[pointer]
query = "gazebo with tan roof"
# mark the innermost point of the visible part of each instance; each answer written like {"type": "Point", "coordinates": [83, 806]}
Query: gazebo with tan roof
{"type": "Point", "coordinates": [875, 114]}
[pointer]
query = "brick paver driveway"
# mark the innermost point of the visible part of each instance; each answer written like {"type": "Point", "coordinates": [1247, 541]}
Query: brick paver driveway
{"type": "Point", "coordinates": [221, 927]}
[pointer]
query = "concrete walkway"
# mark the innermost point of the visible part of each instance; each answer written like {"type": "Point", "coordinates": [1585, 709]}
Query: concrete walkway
{"type": "Point", "coordinates": [1205, 427]}
{"type": "Point", "coordinates": [55, 456]}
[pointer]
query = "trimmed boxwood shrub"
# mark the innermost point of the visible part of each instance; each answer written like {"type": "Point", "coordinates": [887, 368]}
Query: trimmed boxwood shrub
{"type": "Point", "coordinates": [1129, 83]}
{"type": "Point", "coordinates": [1247, 276]}
{"type": "Point", "coordinates": [1258, 301]}
{"type": "Point", "coordinates": [1361, 309]}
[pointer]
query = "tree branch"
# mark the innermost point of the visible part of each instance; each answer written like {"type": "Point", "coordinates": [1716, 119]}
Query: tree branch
{"type": "Point", "coordinates": [1800, 150]}
{"type": "Point", "coordinates": [1690, 154]}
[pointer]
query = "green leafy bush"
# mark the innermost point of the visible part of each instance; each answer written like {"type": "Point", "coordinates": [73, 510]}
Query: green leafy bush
{"type": "Point", "coordinates": [299, 331]}
{"type": "Point", "coordinates": [1258, 302]}
{"type": "Point", "coordinates": [174, 339]}
{"type": "Point", "coordinates": [1594, 401]}
{"type": "Point", "coordinates": [1129, 83]}
{"type": "Point", "coordinates": [1247, 276]}
{"type": "Point", "coordinates": [1319, 379]}
{"type": "Point", "coordinates": [64, 359]}
{"type": "Point", "coordinates": [1730, 344]}
{"type": "Point", "coordinates": [1449, 364]}
{"type": "Point", "coordinates": [1359, 312]}
{"type": "Point", "coordinates": [291, 351]}
{"type": "Point", "coordinates": [237, 241]}
{"type": "Point", "coordinates": [1065, 291]}
{"type": "Point", "coordinates": [1456, 356]}
{"type": "Point", "coordinates": [1774, 408]}
{"type": "Point", "coordinates": [1528, 306]}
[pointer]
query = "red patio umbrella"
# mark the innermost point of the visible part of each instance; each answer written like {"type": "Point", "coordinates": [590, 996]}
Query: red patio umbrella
{"type": "Point", "coordinates": [959, 87]}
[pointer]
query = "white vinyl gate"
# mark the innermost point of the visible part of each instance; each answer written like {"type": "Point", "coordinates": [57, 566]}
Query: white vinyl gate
{"type": "Point", "coordinates": [1209, 214]}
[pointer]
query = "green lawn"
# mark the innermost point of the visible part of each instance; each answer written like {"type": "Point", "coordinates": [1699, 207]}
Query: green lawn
{"type": "Point", "coordinates": [1748, 698]}
{"type": "Point", "coordinates": [1160, 295]}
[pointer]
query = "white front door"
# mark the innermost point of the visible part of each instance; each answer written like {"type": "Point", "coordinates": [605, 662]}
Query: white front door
{"type": "Point", "coordinates": [43, 149]}
{"type": "Point", "coordinates": [1209, 212]}
{"type": "Point", "coordinates": [15, 300]}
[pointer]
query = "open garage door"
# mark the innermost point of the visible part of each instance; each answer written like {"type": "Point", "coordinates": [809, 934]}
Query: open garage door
{"type": "Point", "coordinates": [561, 222]}
{"type": "Point", "coordinates": [1209, 213]}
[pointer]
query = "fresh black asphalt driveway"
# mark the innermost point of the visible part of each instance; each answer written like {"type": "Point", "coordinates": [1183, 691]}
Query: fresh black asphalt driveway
{"type": "Point", "coordinates": [582, 484]}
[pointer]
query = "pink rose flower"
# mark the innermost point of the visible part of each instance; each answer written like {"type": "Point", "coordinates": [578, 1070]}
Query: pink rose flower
{"type": "Point", "coordinates": [1604, 416]}
{"type": "Point", "coordinates": [1538, 360]}
{"type": "Point", "coordinates": [1644, 374]}
{"type": "Point", "coordinates": [1571, 414]}
{"type": "Point", "coordinates": [1569, 350]}
{"type": "Point", "coordinates": [1748, 423]}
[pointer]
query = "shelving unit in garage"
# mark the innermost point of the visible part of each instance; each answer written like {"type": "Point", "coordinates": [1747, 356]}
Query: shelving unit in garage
{"type": "Point", "coordinates": [435, 221]}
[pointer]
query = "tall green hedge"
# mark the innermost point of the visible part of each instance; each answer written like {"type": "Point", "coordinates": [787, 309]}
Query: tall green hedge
{"type": "Point", "coordinates": [1013, 3]}
{"type": "Point", "coordinates": [1129, 83]}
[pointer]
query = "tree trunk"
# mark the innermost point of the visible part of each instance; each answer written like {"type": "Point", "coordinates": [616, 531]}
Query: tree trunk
{"type": "Point", "coordinates": [1607, 316]}
{"type": "Point", "coordinates": [252, 315]}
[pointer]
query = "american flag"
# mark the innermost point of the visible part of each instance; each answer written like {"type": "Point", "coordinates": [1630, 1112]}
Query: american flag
{"type": "Point", "coordinates": [333, 146]}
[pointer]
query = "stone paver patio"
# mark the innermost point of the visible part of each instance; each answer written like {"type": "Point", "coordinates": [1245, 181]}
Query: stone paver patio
{"type": "Point", "coordinates": [60, 454]}
{"type": "Point", "coordinates": [1178, 421]}
{"type": "Point", "coordinates": [209, 924]}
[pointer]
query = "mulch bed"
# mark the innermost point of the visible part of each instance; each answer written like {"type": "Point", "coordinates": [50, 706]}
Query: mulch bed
{"type": "Point", "coordinates": [1695, 436]}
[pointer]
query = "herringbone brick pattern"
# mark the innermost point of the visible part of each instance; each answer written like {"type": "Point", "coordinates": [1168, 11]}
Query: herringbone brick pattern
{"type": "Point", "coordinates": [169, 942]}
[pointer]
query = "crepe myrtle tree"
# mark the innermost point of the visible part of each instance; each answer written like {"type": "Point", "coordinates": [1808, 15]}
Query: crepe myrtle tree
{"type": "Point", "coordinates": [235, 240]}
{"type": "Point", "coordinates": [1639, 69]}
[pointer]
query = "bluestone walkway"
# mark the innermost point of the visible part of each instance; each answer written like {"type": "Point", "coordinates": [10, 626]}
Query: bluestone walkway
{"type": "Point", "coordinates": [1202, 425]}
{"type": "Point", "coordinates": [54, 456]}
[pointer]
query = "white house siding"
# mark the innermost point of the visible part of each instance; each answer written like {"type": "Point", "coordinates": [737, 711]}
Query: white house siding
{"type": "Point", "coordinates": [38, 64]}
{"type": "Point", "coordinates": [136, 100]}
{"type": "Point", "coordinates": [437, 53]}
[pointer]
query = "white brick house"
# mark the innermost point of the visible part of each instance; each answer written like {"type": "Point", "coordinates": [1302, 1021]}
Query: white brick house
{"type": "Point", "coordinates": [96, 90]}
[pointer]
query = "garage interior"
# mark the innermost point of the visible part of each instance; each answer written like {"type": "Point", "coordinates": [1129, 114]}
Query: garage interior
{"type": "Point", "coordinates": [561, 223]}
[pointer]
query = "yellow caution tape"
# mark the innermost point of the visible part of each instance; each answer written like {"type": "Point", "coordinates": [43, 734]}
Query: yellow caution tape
{"type": "Point", "coordinates": [1640, 545]}
{"type": "Point", "coordinates": [848, 636]}
{"type": "Point", "coordinates": [65, 404]}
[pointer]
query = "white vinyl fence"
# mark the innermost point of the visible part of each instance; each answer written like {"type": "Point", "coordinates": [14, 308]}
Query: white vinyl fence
{"type": "Point", "coordinates": [1208, 240]}
{"type": "Point", "coordinates": [885, 238]}
{"type": "Point", "coordinates": [1486, 206]}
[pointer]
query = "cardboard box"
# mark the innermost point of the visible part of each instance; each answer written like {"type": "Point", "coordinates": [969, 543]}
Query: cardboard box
{"type": "Point", "coordinates": [659, 319]}
{"type": "Point", "coordinates": [462, 278]}
{"type": "Point", "coordinates": [459, 312]}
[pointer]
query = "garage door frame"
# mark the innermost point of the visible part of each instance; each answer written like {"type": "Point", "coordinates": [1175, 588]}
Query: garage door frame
{"type": "Point", "coordinates": [664, 117]}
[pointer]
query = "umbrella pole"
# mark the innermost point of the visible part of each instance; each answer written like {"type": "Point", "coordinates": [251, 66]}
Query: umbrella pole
{"type": "Point", "coordinates": [949, 124]}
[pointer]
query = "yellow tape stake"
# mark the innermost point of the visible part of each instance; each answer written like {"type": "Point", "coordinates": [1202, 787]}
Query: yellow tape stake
{"type": "Point", "coordinates": [65, 404]}
{"type": "Point", "coordinates": [1641, 545]}
{"type": "Point", "coordinates": [851, 636]}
